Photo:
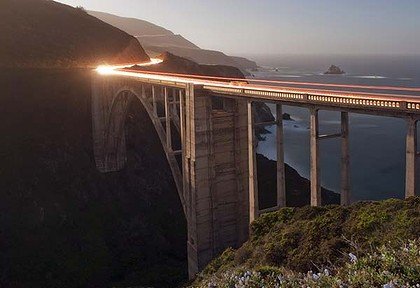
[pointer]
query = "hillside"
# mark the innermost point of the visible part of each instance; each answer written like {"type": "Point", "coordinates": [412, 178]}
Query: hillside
{"type": "Point", "coordinates": [367, 244]}
{"type": "Point", "coordinates": [157, 40]}
{"type": "Point", "coordinates": [42, 33]}
{"type": "Point", "coordinates": [175, 64]}
{"type": "Point", "coordinates": [64, 224]}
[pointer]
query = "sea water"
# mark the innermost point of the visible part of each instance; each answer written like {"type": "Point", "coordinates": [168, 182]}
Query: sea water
{"type": "Point", "coordinates": [377, 144]}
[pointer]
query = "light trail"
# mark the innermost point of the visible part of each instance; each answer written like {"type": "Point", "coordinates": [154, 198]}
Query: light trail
{"type": "Point", "coordinates": [109, 69]}
{"type": "Point", "coordinates": [203, 80]}
{"type": "Point", "coordinates": [241, 83]}
{"type": "Point", "coordinates": [367, 87]}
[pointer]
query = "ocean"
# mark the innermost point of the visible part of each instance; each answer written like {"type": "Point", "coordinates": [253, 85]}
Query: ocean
{"type": "Point", "coordinates": [377, 144]}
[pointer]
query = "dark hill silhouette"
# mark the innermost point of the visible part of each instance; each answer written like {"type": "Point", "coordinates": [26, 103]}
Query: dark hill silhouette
{"type": "Point", "coordinates": [157, 40]}
{"type": "Point", "coordinates": [176, 64]}
{"type": "Point", "coordinates": [41, 33]}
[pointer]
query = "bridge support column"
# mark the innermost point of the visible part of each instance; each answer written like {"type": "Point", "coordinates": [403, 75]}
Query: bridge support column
{"type": "Point", "coordinates": [215, 177]}
{"type": "Point", "coordinates": [154, 102]}
{"type": "Point", "coordinates": [252, 163]}
{"type": "Point", "coordinates": [197, 181]}
{"type": "Point", "coordinates": [345, 160]}
{"type": "Point", "coordinates": [281, 184]}
{"type": "Point", "coordinates": [168, 119]}
{"type": "Point", "coordinates": [315, 164]}
{"type": "Point", "coordinates": [411, 158]}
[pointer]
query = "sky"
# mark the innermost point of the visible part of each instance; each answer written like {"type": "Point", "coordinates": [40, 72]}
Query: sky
{"type": "Point", "coordinates": [251, 27]}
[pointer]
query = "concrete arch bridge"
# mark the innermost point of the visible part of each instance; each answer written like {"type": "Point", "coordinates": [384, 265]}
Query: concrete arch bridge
{"type": "Point", "coordinates": [214, 167]}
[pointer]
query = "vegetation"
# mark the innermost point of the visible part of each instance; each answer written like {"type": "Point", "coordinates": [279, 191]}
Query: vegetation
{"type": "Point", "coordinates": [81, 9]}
{"type": "Point", "coordinates": [359, 246]}
{"type": "Point", "coordinates": [384, 267]}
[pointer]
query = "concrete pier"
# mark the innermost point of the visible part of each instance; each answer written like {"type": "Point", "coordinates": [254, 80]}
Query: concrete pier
{"type": "Point", "coordinates": [345, 160]}
{"type": "Point", "coordinates": [411, 158]}
{"type": "Point", "coordinates": [253, 178]}
{"type": "Point", "coordinates": [315, 158]}
{"type": "Point", "coordinates": [281, 181]}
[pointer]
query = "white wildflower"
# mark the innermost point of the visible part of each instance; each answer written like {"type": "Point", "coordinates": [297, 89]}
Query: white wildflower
{"type": "Point", "coordinates": [353, 258]}
{"type": "Point", "coordinates": [389, 285]}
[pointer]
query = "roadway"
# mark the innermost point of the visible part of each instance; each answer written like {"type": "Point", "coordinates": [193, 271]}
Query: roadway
{"type": "Point", "coordinates": [378, 97]}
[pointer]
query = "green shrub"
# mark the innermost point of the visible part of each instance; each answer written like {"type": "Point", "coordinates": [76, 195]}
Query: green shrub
{"type": "Point", "coordinates": [384, 267]}
{"type": "Point", "coordinates": [304, 239]}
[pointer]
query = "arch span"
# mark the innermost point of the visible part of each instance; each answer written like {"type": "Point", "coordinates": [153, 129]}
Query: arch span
{"type": "Point", "coordinates": [112, 156]}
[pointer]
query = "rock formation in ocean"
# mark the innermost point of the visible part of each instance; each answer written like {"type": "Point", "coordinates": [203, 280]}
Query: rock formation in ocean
{"type": "Point", "coordinates": [334, 70]}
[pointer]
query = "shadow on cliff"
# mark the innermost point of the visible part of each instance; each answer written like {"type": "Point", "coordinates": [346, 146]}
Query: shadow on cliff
{"type": "Point", "coordinates": [62, 223]}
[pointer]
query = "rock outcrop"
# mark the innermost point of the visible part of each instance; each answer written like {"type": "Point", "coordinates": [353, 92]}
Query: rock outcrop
{"type": "Point", "coordinates": [297, 187]}
{"type": "Point", "coordinates": [334, 70]}
{"type": "Point", "coordinates": [39, 33]}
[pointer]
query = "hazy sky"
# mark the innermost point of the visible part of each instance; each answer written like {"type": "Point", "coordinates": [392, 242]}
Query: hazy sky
{"type": "Point", "coordinates": [280, 26]}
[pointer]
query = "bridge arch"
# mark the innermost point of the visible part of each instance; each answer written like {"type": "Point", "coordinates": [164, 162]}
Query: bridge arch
{"type": "Point", "coordinates": [114, 132]}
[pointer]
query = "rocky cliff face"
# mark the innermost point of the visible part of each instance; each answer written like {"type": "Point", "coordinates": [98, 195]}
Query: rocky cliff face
{"type": "Point", "coordinates": [40, 33]}
{"type": "Point", "coordinates": [297, 188]}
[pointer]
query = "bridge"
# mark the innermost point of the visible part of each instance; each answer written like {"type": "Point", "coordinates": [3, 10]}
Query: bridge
{"type": "Point", "coordinates": [207, 128]}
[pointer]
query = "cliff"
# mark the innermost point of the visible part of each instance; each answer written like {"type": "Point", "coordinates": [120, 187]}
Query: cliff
{"type": "Point", "coordinates": [64, 224]}
{"type": "Point", "coordinates": [157, 40]}
{"type": "Point", "coordinates": [201, 56]}
{"type": "Point", "coordinates": [297, 188]}
{"type": "Point", "coordinates": [41, 33]}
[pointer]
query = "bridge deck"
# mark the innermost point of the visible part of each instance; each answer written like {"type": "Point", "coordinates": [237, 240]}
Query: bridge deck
{"type": "Point", "coordinates": [295, 93]}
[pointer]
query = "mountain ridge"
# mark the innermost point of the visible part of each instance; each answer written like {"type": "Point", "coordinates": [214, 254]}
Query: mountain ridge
{"type": "Point", "coordinates": [39, 33]}
{"type": "Point", "coordinates": [157, 40]}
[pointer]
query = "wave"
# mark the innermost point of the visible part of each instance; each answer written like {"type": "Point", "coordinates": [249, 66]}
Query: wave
{"type": "Point", "coordinates": [370, 77]}
{"type": "Point", "coordinates": [288, 76]}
